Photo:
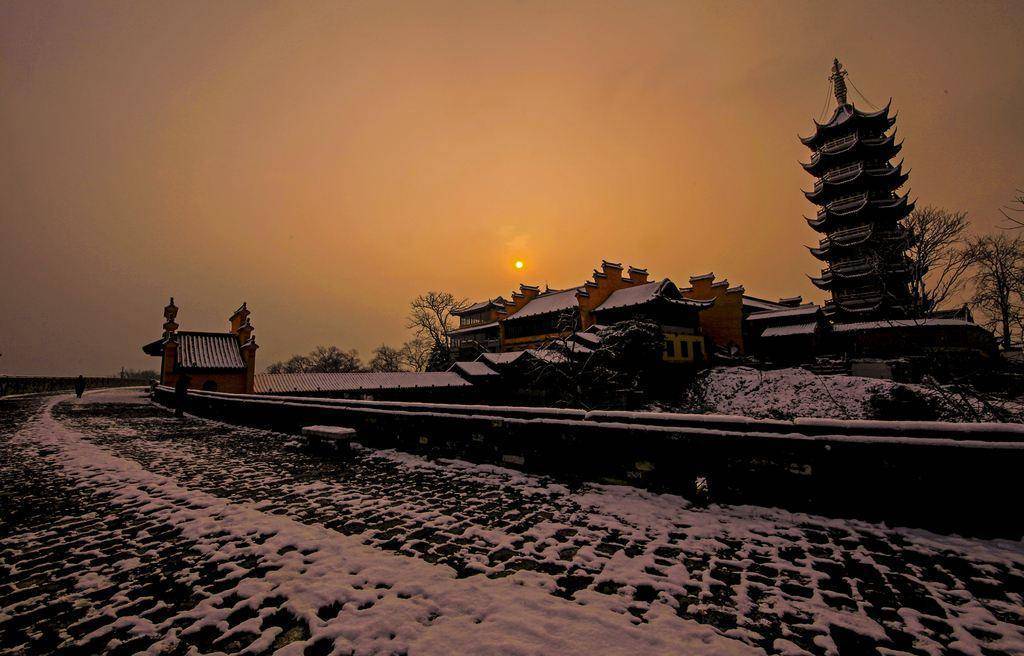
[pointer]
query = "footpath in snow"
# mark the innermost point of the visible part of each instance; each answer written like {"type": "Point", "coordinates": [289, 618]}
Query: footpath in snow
{"type": "Point", "coordinates": [154, 535]}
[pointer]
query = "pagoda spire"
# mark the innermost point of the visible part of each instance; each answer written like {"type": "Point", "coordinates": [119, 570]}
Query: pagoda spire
{"type": "Point", "coordinates": [861, 211]}
{"type": "Point", "coordinates": [838, 78]}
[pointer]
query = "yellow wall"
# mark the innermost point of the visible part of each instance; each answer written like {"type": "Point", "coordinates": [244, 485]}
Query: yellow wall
{"type": "Point", "coordinates": [683, 347]}
{"type": "Point", "coordinates": [722, 323]}
{"type": "Point", "coordinates": [530, 341]}
{"type": "Point", "coordinates": [604, 283]}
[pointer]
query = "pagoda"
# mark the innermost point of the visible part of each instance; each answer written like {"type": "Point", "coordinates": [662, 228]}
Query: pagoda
{"type": "Point", "coordinates": [861, 209]}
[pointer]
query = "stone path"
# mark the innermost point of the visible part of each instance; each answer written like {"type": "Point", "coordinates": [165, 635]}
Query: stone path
{"type": "Point", "coordinates": [86, 570]}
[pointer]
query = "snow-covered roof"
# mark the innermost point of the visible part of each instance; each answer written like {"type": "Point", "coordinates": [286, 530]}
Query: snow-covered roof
{"type": "Point", "coordinates": [553, 357]}
{"type": "Point", "coordinates": [500, 358]}
{"type": "Point", "coordinates": [807, 309]}
{"type": "Point", "coordinates": [645, 293]}
{"type": "Point", "coordinates": [474, 328]}
{"type": "Point", "coordinates": [630, 296]}
{"type": "Point", "coordinates": [482, 305]}
{"type": "Point", "coordinates": [899, 323]}
{"type": "Point", "coordinates": [575, 348]}
{"type": "Point", "coordinates": [208, 351]}
{"type": "Point", "coordinates": [473, 369]}
{"type": "Point", "coordinates": [344, 382]}
{"type": "Point", "coordinates": [760, 303]}
{"type": "Point", "coordinates": [547, 303]}
{"type": "Point", "coordinates": [590, 338]}
{"type": "Point", "coordinates": [795, 329]}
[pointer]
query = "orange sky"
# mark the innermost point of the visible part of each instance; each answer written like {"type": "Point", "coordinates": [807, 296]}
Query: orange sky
{"type": "Point", "coordinates": [328, 161]}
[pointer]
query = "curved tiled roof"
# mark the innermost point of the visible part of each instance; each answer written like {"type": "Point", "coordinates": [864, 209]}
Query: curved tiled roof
{"type": "Point", "coordinates": [800, 310]}
{"type": "Point", "coordinates": [473, 369]}
{"type": "Point", "coordinates": [646, 293]}
{"type": "Point", "coordinates": [547, 303]}
{"type": "Point", "coordinates": [346, 382]}
{"type": "Point", "coordinates": [208, 351]}
{"type": "Point", "coordinates": [482, 305]}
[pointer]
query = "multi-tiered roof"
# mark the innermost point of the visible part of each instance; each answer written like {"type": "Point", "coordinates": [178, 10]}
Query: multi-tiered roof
{"type": "Point", "coordinates": [857, 190]}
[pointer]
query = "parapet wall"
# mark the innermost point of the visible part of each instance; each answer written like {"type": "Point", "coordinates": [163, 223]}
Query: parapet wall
{"type": "Point", "coordinates": [912, 478]}
{"type": "Point", "coordinates": [45, 384]}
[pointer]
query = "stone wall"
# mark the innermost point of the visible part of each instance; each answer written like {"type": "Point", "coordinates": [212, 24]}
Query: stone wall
{"type": "Point", "coordinates": [938, 482]}
{"type": "Point", "coordinates": [47, 384]}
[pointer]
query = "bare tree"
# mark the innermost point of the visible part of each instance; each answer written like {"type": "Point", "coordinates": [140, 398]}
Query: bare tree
{"type": "Point", "coordinates": [322, 359]}
{"type": "Point", "coordinates": [1014, 212]}
{"type": "Point", "coordinates": [387, 358]}
{"type": "Point", "coordinates": [432, 316]}
{"type": "Point", "coordinates": [938, 257]}
{"type": "Point", "coordinates": [331, 359]}
{"type": "Point", "coordinates": [998, 278]}
{"type": "Point", "coordinates": [416, 353]}
{"type": "Point", "coordinates": [294, 365]}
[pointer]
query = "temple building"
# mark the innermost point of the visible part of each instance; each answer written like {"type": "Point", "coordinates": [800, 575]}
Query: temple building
{"type": "Point", "coordinates": [213, 361]}
{"type": "Point", "coordinates": [857, 190]}
{"type": "Point", "coordinates": [533, 319]}
{"type": "Point", "coordinates": [706, 319]}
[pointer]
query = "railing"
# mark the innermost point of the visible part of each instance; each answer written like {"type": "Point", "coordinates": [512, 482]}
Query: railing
{"type": "Point", "coordinates": [881, 168]}
{"type": "Point", "coordinates": [873, 296]}
{"type": "Point", "coordinates": [832, 175]}
{"type": "Point", "coordinates": [833, 145]}
{"type": "Point", "coordinates": [839, 235]}
{"type": "Point", "coordinates": [859, 265]}
{"type": "Point", "coordinates": [847, 202]}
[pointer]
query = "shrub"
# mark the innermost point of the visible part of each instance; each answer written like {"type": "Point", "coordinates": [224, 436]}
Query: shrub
{"type": "Point", "coordinates": [900, 403]}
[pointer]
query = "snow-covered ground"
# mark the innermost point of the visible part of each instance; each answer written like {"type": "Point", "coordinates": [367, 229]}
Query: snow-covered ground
{"type": "Point", "coordinates": [796, 392]}
{"type": "Point", "coordinates": [155, 535]}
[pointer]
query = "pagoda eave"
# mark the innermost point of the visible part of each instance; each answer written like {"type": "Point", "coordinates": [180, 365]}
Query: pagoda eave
{"type": "Point", "coordinates": [821, 283]}
{"type": "Point", "coordinates": [883, 148]}
{"type": "Point", "coordinates": [842, 117]}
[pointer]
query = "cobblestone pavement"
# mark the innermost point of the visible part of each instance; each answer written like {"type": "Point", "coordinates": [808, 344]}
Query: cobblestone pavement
{"type": "Point", "coordinates": [85, 569]}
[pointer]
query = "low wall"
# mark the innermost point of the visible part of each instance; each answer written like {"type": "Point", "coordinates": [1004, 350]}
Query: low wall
{"type": "Point", "coordinates": [45, 384]}
{"type": "Point", "coordinates": [947, 484]}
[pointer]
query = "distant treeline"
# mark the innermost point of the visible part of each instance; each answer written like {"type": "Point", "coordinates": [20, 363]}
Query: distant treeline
{"type": "Point", "coordinates": [37, 384]}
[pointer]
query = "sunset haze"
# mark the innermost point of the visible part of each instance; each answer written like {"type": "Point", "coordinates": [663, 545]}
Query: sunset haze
{"type": "Point", "coordinates": [327, 162]}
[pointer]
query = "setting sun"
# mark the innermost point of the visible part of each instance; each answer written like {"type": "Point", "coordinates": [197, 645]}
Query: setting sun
{"type": "Point", "coordinates": [519, 264]}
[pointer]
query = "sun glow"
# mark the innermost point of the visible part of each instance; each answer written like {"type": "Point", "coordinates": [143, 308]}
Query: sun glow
{"type": "Point", "coordinates": [518, 264]}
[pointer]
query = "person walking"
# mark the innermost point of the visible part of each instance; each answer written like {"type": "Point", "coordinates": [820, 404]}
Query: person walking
{"type": "Point", "coordinates": [80, 386]}
{"type": "Point", "coordinates": [180, 392]}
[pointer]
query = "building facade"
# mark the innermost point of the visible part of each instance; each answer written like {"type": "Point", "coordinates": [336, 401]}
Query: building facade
{"type": "Point", "coordinates": [211, 361]}
{"type": "Point", "coordinates": [568, 319]}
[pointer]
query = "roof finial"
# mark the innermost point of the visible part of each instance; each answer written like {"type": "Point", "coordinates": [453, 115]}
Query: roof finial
{"type": "Point", "coordinates": [838, 78]}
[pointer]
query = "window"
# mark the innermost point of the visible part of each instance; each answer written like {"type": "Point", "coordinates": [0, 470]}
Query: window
{"type": "Point", "coordinates": [210, 386]}
{"type": "Point", "coordinates": [698, 350]}
{"type": "Point", "coordinates": [670, 348]}
{"type": "Point", "coordinates": [684, 349]}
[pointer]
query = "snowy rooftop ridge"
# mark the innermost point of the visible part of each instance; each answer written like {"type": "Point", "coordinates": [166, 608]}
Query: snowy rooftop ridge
{"type": "Point", "coordinates": [344, 382]}
{"type": "Point", "coordinates": [807, 308]}
{"type": "Point", "coordinates": [646, 293]}
{"type": "Point", "coordinates": [547, 303]}
{"type": "Point", "coordinates": [795, 329]}
{"type": "Point", "coordinates": [473, 369]}
{"type": "Point", "coordinates": [500, 358]}
{"type": "Point", "coordinates": [755, 302]}
{"type": "Point", "coordinates": [899, 323]}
